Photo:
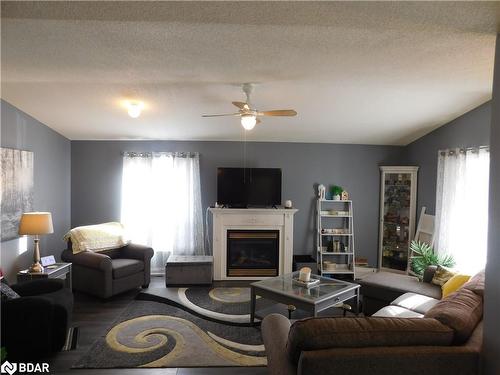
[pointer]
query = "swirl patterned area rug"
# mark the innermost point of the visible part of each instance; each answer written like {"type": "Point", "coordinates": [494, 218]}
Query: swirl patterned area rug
{"type": "Point", "coordinates": [166, 334]}
{"type": "Point", "coordinates": [229, 305]}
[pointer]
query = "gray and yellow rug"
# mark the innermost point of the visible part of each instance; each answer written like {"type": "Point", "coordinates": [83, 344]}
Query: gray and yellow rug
{"type": "Point", "coordinates": [155, 334]}
{"type": "Point", "coordinates": [229, 305]}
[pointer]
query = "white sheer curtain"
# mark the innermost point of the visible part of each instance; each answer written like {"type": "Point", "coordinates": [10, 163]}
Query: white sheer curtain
{"type": "Point", "coordinates": [161, 203]}
{"type": "Point", "coordinates": [462, 207]}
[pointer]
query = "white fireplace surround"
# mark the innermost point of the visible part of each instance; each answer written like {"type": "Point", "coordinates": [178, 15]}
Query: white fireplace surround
{"type": "Point", "coordinates": [225, 219]}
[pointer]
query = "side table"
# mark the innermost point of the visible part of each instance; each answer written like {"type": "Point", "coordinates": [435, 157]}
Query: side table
{"type": "Point", "coordinates": [55, 271]}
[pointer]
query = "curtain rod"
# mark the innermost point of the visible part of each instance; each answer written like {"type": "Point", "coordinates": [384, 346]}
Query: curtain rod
{"type": "Point", "coordinates": [453, 151]}
{"type": "Point", "coordinates": [166, 153]}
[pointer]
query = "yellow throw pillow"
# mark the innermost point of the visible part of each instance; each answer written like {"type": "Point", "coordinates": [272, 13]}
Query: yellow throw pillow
{"type": "Point", "coordinates": [454, 283]}
{"type": "Point", "coordinates": [442, 275]}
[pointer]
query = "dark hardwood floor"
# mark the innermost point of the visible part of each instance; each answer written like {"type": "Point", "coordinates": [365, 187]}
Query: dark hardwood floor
{"type": "Point", "coordinates": [94, 317]}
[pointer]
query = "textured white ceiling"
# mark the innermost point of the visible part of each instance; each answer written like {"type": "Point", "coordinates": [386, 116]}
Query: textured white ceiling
{"type": "Point", "coordinates": [359, 72]}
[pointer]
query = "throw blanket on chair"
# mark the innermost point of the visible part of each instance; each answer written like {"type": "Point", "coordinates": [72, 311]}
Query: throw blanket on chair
{"type": "Point", "coordinates": [97, 237]}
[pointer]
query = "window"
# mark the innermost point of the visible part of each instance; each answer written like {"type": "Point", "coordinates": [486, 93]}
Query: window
{"type": "Point", "coordinates": [161, 203]}
{"type": "Point", "coordinates": [462, 207]}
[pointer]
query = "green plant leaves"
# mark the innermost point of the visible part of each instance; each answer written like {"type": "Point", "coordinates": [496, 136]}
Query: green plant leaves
{"type": "Point", "coordinates": [424, 256]}
{"type": "Point", "coordinates": [336, 190]}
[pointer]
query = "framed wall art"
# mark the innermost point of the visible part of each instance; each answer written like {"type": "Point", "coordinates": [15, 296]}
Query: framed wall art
{"type": "Point", "coordinates": [16, 187]}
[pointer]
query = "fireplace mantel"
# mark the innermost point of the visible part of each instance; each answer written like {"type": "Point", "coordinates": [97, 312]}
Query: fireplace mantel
{"type": "Point", "coordinates": [225, 219]}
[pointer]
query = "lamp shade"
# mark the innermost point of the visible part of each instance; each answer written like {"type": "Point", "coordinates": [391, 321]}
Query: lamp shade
{"type": "Point", "coordinates": [36, 223]}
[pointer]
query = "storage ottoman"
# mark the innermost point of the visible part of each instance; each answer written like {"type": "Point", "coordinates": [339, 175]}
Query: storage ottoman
{"type": "Point", "coordinates": [189, 270]}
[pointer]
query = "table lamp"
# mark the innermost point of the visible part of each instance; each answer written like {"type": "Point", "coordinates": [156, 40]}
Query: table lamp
{"type": "Point", "coordinates": [35, 224]}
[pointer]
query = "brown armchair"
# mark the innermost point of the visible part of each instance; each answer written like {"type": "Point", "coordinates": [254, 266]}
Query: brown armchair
{"type": "Point", "coordinates": [107, 273]}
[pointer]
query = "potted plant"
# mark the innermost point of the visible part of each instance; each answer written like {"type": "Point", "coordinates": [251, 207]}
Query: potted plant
{"type": "Point", "coordinates": [336, 192]}
{"type": "Point", "coordinates": [424, 256]}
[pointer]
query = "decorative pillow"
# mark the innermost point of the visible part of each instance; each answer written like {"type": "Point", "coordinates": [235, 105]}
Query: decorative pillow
{"type": "Point", "coordinates": [442, 275]}
{"type": "Point", "coordinates": [7, 292]}
{"type": "Point", "coordinates": [453, 284]}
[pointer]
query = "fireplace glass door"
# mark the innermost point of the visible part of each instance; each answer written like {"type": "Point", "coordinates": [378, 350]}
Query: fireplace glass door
{"type": "Point", "coordinates": [252, 253]}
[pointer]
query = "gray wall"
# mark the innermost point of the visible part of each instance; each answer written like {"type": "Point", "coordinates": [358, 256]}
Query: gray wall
{"type": "Point", "coordinates": [91, 194]}
{"type": "Point", "coordinates": [97, 165]}
{"type": "Point", "coordinates": [52, 174]}
{"type": "Point", "coordinates": [469, 130]}
{"type": "Point", "coordinates": [492, 296]}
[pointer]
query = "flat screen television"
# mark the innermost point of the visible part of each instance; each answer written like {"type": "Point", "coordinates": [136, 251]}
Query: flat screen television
{"type": "Point", "coordinates": [246, 187]}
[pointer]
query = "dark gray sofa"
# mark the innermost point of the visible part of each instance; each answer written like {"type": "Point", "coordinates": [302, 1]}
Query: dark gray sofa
{"type": "Point", "coordinates": [107, 273]}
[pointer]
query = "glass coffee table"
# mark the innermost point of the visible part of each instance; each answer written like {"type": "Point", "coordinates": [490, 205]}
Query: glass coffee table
{"type": "Point", "coordinates": [328, 293]}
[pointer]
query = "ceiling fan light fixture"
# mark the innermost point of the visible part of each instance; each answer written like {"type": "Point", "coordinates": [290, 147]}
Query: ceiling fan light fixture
{"type": "Point", "coordinates": [248, 121]}
{"type": "Point", "coordinates": [134, 109]}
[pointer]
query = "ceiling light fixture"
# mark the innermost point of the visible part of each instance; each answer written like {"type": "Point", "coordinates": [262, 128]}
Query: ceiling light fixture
{"type": "Point", "coordinates": [248, 121]}
{"type": "Point", "coordinates": [134, 109]}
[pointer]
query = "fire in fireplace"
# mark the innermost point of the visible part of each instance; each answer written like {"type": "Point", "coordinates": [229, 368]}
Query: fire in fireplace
{"type": "Point", "coordinates": [252, 253]}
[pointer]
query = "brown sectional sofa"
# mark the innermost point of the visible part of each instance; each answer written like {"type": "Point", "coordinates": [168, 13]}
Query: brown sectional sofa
{"type": "Point", "coordinates": [444, 337]}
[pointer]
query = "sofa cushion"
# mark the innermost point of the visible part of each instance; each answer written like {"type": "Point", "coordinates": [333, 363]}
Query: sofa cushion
{"type": "Point", "coordinates": [385, 284]}
{"type": "Point", "coordinates": [126, 267]}
{"type": "Point", "coordinates": [415, 302]}
{"type": "Point", "coordinates": [461, 311]}
{"type": "Point", "coordinates": [325, 333]}
{"type": "Point", "coordinates": [476, 284]}
{"type": "Point", "coordinates": [396, 312]}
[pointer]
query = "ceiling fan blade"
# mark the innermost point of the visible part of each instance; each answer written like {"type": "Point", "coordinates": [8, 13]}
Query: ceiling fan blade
{"type": "Point", "coordinates": [241, 105]}
{"type": "Point", "coordinates": [221, 115]}
{"type": "Point", "coordinates": [278, 112]}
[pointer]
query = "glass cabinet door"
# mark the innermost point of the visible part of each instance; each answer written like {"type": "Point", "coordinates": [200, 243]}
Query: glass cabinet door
{"type": "Point", "coordinates": [397, 221]}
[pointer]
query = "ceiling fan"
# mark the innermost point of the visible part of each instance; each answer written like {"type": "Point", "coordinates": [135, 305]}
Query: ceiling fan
{"type": "Point", "coordinates": [248, 115]}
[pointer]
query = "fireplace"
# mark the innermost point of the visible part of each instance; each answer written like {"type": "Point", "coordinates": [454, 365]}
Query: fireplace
{"type": "Point", "coordinates": [252, 220]}
{"type": "Point", "coordinates": [252, 253]}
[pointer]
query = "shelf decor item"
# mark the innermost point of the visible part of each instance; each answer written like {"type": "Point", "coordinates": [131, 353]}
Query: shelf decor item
{"type": "Point", "coordinates": [398, 193]}
{"type": "Point", "coordinates": [36, 224]}
{"type": "Point", "coordinates": [306, 284]}
{"type": "Point", "coordinates": [322, 192]}
{"type": "Point", "coordinates": [329, 266]}
{"type": "Point", "coordinates": [336, 246]}
{"type": "Point", "coordinates": [336, 192]}
{"type": "Point", "coordinates": [305, 274]}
